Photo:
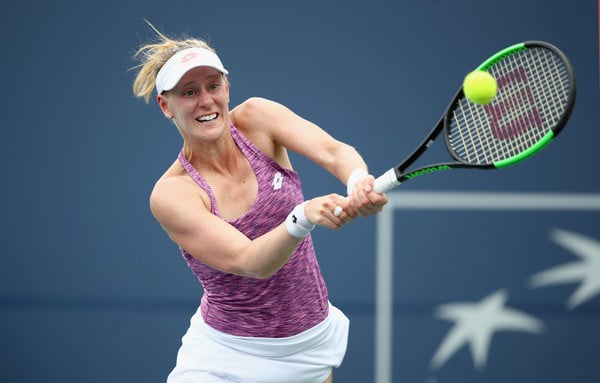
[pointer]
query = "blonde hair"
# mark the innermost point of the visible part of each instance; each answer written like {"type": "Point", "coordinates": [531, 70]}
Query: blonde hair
{"type": "Point", "coordinates": [154, 55]}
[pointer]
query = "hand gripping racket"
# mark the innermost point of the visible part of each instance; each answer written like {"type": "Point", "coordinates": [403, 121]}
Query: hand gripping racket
{"type": "Point", "coordinates": [536, 93]}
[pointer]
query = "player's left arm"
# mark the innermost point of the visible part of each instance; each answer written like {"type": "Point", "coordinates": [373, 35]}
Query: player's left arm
{"type": "Point", "coordinates": [275, 127]}
{"type": "Point", "coordinates": [285, 129]}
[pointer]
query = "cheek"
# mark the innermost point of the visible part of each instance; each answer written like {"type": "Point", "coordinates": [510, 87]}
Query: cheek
{"type": "Point", "coordinates": [183, 108]}
{"type": "Point", "coordinates": [224, 100]}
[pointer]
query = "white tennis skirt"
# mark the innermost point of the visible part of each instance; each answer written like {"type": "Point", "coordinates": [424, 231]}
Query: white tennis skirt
{"type": "Point", "coordinates": [211, 356]}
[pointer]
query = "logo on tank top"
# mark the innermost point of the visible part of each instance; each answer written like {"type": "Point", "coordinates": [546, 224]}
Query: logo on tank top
{"type": "Point", "coordinates": [277, 181]}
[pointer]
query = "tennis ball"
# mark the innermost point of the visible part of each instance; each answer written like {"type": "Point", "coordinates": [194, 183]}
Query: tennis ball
{"type": "Point", "coordinates": [480, 87]}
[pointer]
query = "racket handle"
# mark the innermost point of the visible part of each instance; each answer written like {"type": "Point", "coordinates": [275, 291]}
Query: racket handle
{"type": "Point", "coordinates": [386, 182]}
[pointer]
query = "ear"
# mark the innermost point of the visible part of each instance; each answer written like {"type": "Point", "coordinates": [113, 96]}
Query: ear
{"type": "Point", "coordinates": [164, 106]}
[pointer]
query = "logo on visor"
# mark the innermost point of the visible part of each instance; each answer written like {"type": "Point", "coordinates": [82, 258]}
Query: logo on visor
{"type": "Point", "coordinates": [189, 57]}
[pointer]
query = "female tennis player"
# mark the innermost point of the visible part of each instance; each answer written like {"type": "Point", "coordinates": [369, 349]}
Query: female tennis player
{"type": "Point", "coordinates": [234, 205]}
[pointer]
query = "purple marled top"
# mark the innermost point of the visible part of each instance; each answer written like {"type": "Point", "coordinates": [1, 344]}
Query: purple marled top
{"type": "Point", "coordinates": [295, 298]}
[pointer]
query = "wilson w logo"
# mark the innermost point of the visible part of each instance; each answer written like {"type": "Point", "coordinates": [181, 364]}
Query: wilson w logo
{"type": "Point", "coordinates": [515, 112]}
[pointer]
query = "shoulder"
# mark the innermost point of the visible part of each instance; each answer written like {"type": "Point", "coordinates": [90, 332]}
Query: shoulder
{"type": "Point", "coordinates": [256, 118]}
{"type": "Point", "coordinates": [260, 113]}
{"type": "Point", "coordinates": [252, 108]}
{"type": "Point", "coordinates": [173, 192]}
{"type": "Point", "coordinates": [264, 117]}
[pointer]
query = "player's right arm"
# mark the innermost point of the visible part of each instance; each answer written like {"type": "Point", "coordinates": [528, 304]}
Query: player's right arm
{"type": "Point", "coordinates": [183, 210]}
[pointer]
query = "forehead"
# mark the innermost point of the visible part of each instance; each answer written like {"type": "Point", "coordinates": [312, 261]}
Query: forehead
{"type": "Point", "coordinates": [198, 75]}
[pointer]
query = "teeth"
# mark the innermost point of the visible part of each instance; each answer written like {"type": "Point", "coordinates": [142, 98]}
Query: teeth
{"type": "Point", "coordinates": [209, 117]}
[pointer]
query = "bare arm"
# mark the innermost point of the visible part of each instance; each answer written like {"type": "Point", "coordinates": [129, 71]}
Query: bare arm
{"type": "Point", "coordinates": [183, 214]}
{"type": "Point", "coordinates": [288, 130]}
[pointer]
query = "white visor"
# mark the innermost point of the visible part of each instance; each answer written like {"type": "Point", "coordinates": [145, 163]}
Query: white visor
{"type": "Point", "coordinates": [181, 62]}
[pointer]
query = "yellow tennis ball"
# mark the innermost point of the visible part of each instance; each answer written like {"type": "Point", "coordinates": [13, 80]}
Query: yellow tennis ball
{"type": "Point", "coordinates": [480, 87]}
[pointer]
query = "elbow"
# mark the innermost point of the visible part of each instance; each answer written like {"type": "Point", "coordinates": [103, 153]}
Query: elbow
{"type": "Point", "coordinates": [261, 274]}
{"type": "Point", "coordinates": [255, 272]}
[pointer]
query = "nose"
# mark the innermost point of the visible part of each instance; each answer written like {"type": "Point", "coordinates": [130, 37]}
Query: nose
{"type": "Point", "coordinates": [205, 99]}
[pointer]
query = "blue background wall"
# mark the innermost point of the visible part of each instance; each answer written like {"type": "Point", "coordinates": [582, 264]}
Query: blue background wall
{"type": "Point", "coordinates": [92, 290]}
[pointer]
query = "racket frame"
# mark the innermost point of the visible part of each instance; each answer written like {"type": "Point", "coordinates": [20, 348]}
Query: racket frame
{"type": "Point", "coordinates": [396, 175]}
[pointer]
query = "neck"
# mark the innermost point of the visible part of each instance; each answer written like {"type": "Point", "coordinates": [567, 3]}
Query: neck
{"type": "Point", "coordinates": [222, 156]}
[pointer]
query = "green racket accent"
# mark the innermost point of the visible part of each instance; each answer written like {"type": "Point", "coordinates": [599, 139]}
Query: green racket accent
{"type": "Point", "coordinates": [500, 55]}
{"type": "Point", "coordinates": [527, 153]}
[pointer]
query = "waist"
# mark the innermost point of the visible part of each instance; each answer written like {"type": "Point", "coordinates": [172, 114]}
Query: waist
{"type": "Point", "coordinates": [275, 347]}
{"type": "Point", "coordinates": [269, 318]}
{"type": "Point", "coordinates": [291, 301]}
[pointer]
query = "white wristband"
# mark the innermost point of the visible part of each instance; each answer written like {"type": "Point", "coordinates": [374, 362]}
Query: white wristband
{"type": "Point", "coordinates": [356, 176]}
{"type": "Point", "coordinates": [296, 222]}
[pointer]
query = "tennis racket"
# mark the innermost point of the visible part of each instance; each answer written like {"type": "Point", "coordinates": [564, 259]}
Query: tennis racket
{"type": "Point", "coordinates": [536, 94]}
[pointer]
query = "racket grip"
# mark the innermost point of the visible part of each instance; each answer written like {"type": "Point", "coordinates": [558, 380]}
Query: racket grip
{"type": "Point", "coordinates": [386, 182]}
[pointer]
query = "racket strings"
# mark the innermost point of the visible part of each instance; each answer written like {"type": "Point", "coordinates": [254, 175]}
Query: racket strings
{"type": "Point", "coordinates": [533, 90]}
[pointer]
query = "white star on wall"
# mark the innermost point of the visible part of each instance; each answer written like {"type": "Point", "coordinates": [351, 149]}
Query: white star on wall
{"type": "Point", "coordinates": [586, 270]}
{"type": "Point", "coordinates": [475, 325]}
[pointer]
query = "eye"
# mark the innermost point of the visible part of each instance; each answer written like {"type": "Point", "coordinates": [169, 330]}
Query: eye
{"type": "Point", "coordinates": [189, 93]}
{"type": "Point", "coordinates": [214, 87]}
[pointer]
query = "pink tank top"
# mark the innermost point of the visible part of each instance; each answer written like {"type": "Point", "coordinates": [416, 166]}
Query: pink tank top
{"type": "Point", "coordinates": [295, 298]}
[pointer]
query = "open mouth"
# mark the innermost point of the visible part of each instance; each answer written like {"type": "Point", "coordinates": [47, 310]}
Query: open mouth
{"type": "Point", "coordinates": [208, 117]}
